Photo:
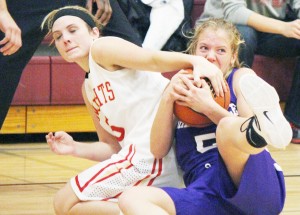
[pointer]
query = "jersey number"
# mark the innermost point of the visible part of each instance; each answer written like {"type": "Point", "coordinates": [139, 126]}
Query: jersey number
{"type": "Point", "coordinates": [205, 142]}
{"type": "Point", "coordinates": [120, 131]}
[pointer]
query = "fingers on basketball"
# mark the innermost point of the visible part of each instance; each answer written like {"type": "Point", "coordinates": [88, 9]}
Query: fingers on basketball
{"type": "Point", "coordinates": [193, 118]}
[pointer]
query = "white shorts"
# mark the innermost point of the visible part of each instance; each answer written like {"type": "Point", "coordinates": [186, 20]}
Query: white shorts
{"type": "Point", "coordinates": [108, 179]}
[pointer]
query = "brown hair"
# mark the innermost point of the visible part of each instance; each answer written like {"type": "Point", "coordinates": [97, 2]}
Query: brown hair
{"type": "Point", "coordinates": [78, 11]}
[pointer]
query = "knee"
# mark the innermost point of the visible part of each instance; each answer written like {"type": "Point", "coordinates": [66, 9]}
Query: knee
{"type": "Point", "coordinates": [126, 200]}
{"type": "Point", "coordinates": [222, 131]}
{"type": "Point", "coordinates": [58, 203]}
{"type": "Point", "coordinates": [223, 124]}
{"type": "Point", "coordinates": [133, 200]}
{"type": "Point", "coordinates": [62, 201]}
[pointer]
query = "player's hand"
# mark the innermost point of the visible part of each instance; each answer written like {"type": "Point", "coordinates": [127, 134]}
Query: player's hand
{"type": "Point", "coordinates": [203, 68]}
{"type": "Point", "coordinates": [172, 92]}
{"type": "Point", "coordinates": [103, 12]}
{"type": "Point", "coordinates": [61, 143]}
{"type": "Point", "coordinates": [12, 40]}
{"type": "Point", "coordinates": [199, 99]}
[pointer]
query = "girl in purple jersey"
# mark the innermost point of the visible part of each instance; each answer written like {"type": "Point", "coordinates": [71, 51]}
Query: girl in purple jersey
{"type": "Point", "coordinates": [227, 167]}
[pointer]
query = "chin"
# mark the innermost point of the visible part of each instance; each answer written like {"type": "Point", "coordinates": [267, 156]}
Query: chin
{"type": "Point", "coordinates": [72, 58]}
{"type": "Point", "coordinates": [75, 56]}
{"type": "Point", "coordinates": [69, 60]}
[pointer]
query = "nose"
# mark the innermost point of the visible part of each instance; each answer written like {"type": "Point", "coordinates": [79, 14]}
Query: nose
{"type": "Point", "coordinates": [66, 39]}
{"type": "Point", "coordinates": [211, 56]}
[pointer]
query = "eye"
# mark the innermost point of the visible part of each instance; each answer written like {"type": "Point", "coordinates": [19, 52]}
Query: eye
{"type": "Point", "coordinates": [203, 48]}
{"type": "Point", "coordinates": [56, 36]}
{"type": "Point", "coordinates": [72, 30]}
{"type": "Point", "coordinates": [221, 51]}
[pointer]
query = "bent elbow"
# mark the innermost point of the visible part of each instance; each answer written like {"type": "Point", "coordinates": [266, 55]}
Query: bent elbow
{"type": "Point", "coordinates": [157, 153]}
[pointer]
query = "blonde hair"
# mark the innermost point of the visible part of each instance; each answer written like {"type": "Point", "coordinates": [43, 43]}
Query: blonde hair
{"type": "Point", "coordinates": [49, 20]}
{"type": "Point", "coordinates": [216, 24]}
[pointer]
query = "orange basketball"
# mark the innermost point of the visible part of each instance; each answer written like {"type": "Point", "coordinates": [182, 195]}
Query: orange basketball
{"type": "Point", "coordinates": [193, 118]}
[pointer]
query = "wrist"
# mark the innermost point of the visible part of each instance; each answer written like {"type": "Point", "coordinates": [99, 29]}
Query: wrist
{"type": "Point", "coordinates": [76, 149]}
{"type": "Point", "coordinates": [167, 98]}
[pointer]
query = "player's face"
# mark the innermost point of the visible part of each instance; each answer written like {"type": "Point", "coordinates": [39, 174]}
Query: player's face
{"type": "Point", "coordinates": [215, 47]}
{"type": "Point", "coordinates": [72, 38]}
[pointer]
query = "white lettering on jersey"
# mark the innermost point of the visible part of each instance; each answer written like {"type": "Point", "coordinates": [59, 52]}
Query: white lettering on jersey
{"type": "Point", "coordinates": [200, 141]}
{"type": "Point", "coordinates": [233, 109]}
{"type": "Point", "coordinates": [103, 94]}
{"type": "Point", "coordinates": [181, 125]}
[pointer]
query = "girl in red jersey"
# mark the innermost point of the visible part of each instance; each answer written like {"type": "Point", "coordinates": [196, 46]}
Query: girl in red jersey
{"type": "Point", "coordinates": [122, 90]}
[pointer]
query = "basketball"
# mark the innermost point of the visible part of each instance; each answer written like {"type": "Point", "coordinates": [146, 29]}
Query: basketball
{"type": "Point", "coordinates": [196, 119]}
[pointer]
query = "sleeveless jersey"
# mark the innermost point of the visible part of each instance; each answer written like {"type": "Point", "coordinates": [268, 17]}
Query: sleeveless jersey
{"type": "Point", "coordinates": [209, 187]}
{"type": "Point", "coordinates": [194, 140]}
{"type": "Point", "coordinates": [126, 102]}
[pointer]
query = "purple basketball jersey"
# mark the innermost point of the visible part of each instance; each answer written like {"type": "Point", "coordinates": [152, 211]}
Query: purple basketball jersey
{"type": "Point", "coordinates": [209, 188]}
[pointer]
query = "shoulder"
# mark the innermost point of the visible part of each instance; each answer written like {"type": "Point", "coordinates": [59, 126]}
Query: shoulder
{"type": "Point", "coordinates": [102, 43]}
{"type": "Point", "coordinates": [104, 50]}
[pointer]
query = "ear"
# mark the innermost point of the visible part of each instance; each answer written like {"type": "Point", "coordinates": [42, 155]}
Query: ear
{"type": "Point", "coordinates": [95, 32]}
{"type": "Point", "coordinates": [233, 59]}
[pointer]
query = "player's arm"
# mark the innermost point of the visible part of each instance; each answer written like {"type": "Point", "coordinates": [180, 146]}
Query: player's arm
{"type": "Point", "coordinates": [62, 143]}
{"type": "Point", "coordinates": [114, 53]}
{"type": "Point", "coordinates": [163, 127]}
{"type": "Point", "coordinates": [97, 151]}
{"type": "Point", "coordinates": [162, 132]}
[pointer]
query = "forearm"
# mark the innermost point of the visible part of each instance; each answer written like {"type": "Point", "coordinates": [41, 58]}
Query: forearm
{"type": "Point", "coordinates": [133, 57]}
{"type": "Point", "coordinates": [97, 151]}
{"type": "Point", "coordinates": [162, 131]}
{"type": "Point", "coordinates": [216, 113]}
{"type": "Point", "coordinates": [173, 61]}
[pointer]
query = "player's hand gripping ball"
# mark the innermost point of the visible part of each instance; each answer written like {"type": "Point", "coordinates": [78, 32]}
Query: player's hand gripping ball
{"type": "Point", "coordinates": [196, 119]}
